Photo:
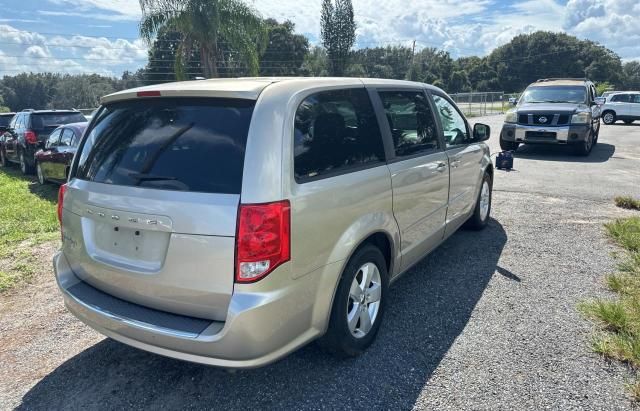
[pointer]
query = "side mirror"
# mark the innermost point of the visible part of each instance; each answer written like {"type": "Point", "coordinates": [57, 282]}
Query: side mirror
{"type": "Point", "coordinates": [600, 100]}
{"type": "Point", "coordinates": [481, 132]}
{"type": "Point", "coordinates": [513, 101]}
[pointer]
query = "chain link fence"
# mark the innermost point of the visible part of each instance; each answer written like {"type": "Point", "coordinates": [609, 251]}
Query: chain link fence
{"type": "Point", "coordinates": [482, 104]}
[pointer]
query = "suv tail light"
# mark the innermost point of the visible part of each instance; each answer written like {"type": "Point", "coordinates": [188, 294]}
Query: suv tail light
{"type": "Point", "coordinates": [61, 191]}
{"type": "Point", "coordinates": [263, 240]}
{"type": "Point", "coordinates": [30, 137]}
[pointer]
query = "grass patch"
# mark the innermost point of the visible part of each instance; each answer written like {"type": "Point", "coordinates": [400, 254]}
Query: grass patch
{"type": "Point", "coordinates": [619, 338]}
{"type": "Point", "coordinates": [627, 202]}
{"type": "Point", "coordinates": [27, 217]}
{"type": "Point", "coordinates": [626, 232]}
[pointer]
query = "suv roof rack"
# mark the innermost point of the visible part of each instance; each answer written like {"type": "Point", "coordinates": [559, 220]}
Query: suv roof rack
{"type": "Point", "coordinates": [28, 110]}
{"type": "Point", "coordinates": [560, 78]}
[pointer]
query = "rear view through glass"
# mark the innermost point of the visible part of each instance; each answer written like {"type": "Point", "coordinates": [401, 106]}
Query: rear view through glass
{"type": "Point", "coordinates": [169, 143]}
{"type": "Point", "coordinates": [5, 120]}
{"type": "Point", "coordinates": [43, 121]}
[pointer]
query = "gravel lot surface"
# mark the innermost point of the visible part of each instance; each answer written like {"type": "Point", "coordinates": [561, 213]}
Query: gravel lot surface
{"type": "Point", "coordinates": [488, 321]}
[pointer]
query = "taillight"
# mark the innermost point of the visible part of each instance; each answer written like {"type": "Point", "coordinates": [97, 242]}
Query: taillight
{"type": "Point", "coordinates": [61, 191]}
{"type": "Point", "coordinates": [30, 137]}
{"type": "Point", "coordinates": [263, 241]}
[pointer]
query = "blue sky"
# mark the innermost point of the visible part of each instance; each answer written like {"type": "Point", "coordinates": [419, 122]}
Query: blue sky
{"type": "Point", "coordinates": [101, 36]}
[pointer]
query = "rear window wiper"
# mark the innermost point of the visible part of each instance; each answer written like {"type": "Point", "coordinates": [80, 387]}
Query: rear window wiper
{"type": "Point", "coordinates": [140, 177]}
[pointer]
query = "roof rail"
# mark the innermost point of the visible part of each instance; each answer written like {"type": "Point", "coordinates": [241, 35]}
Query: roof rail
{"type": "Point", "coordinates": [28, 110]}
{"type": "Point", "coordinates": [560, 78]}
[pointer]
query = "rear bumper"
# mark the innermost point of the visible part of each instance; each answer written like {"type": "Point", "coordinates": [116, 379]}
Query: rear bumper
{"type": "Point", "coordinates": [544, 135]}
{"type": "Point", "coordinates": [260, 327]}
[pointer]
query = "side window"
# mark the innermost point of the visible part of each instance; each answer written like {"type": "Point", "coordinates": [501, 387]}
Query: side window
{"type": "Point", "coordinates": [335, 131]}
{"type": "Point", "coordinates": [411, 121]}
{"type": "Point", "coordinates": [636, 98]}
{"type": "Point", "coordinates": [453, 124]}
{"type": "Point", "coordinates": [53, 139]}
{"type": "Point", "coordinates": [620, 98]}
{"type": "Point", "coordinates": [67, 137]}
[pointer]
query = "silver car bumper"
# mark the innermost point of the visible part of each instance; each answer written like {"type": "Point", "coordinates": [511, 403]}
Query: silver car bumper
{"type": "Point", "coordinates": [260, 327]}
{"type": "Point", "coordinates": [521, 133]}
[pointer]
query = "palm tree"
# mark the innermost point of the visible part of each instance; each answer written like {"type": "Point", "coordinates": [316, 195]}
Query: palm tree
{"type": "Point", "coordinates": [204, 24]}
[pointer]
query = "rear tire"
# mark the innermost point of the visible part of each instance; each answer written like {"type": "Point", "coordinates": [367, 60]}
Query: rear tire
{"type": "Point", "coordinates": [4, 163]}
{"type": "Point", "coordinates": [25, 168]}
{"type": "Point", "coordinates": [482, 211]}
{"type": "Point", "coordinates": [358, 305]}
{"type": "Point", "coordinates": [508, 145]}
{"type": "Point", "coordinates": [608, 117]}
{"type": "Point", "coordinates": [41, 180]}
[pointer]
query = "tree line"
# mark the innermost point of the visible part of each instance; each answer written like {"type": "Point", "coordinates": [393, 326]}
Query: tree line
{"type": "Point", "coordinates": [191, 39]}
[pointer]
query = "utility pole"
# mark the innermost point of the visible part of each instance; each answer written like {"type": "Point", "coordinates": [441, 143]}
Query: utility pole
{"type": "Point", "coordinates": [413, 51]}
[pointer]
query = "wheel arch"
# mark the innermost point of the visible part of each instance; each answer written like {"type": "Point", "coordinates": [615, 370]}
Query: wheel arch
{"type": "Point", "coordinates": [387, 242]}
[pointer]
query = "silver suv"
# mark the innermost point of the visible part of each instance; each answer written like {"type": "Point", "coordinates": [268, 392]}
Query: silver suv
{"type": "Point", "coordinates": [229, 222]}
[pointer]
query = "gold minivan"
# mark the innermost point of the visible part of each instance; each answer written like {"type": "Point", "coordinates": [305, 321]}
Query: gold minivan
{"type": "Point", "coordinates": [231, 221]}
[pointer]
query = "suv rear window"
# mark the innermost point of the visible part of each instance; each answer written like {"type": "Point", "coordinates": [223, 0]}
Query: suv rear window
{"type": "Point", "coordinates": [5, 120]}
{"type": "Point", "coordinates": [181, 144]}
{"type": "Point", "coordinates": [41, 121]}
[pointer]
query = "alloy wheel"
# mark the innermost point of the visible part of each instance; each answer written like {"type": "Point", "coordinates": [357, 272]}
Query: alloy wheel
{"type": "Point", "coordinates": [40, 174]}
{"type": "Point", "coordinates": [364, 300]}
{"type": "Point", "coordinates": [23, 164]}
{"type": "Point", "coordinates": [485, 200]}
{"type": "Point", "coordinates": [608, 118]}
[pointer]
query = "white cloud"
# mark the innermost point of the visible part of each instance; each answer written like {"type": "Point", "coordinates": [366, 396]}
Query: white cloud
{"type": "Point", "coordinates": [33, 52]}
{"type": "Point", "coordinates": [127, 9]}
{"type": "Point", "coordinates": [464, 27]}
{"type": "Point", "coordinates": [90, 16]}
{"type": "Point", "coordinates": [613, 23]}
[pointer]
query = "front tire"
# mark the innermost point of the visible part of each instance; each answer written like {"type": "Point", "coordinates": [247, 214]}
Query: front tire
{"type": "Point", "coordinates": [584, 148]}
{"type": "Point", "coordinates": [608, 117]}
{"type": "Point", "coordinates": [480, 217]}
{"type": "Point", "coordinates": [509, 145]}
{"type": "Point", "coordinates": [358, 305]}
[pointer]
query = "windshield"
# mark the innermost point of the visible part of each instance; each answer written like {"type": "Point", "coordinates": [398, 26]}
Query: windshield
{"type": "Point", "coordinates": [182, 144]}
{"type": "Point", "coordinates": [554, 94]}
{"type": "Point", "coordinates": [53, 120]}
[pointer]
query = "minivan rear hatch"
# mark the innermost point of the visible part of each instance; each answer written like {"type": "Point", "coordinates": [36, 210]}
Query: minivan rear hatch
{"type": "Point", "coordinates": [150, 211]}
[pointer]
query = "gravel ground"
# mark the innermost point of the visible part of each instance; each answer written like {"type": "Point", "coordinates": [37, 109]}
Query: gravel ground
{"type": "Point", "coordinates": [488, 321]}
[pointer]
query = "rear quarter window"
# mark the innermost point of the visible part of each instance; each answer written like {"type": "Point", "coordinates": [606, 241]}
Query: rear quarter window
{"type": "Point", "coordinates": [335, 131]}
{"type": "Point", "coordinates": [169, 143]}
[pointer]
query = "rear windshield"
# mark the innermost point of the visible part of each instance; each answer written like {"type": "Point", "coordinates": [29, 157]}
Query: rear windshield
{"type": "Point", "coordinates": [5, 120]}
{"type": "Point", "coordinates": [41, 121]}
{"type": "Point", "coordinates": [170, 144]}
